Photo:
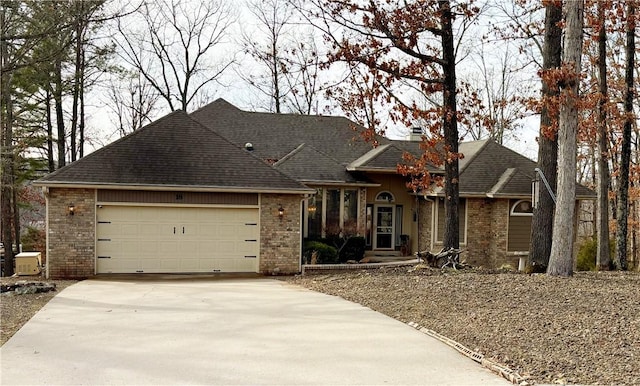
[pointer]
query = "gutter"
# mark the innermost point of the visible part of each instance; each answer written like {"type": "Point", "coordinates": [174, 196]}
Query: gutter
{"type": "Point", "coordinates": [181, 188]}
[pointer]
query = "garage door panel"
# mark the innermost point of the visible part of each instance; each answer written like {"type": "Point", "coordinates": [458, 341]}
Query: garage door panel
{"type": "Point", "coordinates": [165, 240]}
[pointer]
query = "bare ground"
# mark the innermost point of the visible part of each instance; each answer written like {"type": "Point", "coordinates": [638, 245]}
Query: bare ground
{"type": "Point", "coordinates": [584, 329]}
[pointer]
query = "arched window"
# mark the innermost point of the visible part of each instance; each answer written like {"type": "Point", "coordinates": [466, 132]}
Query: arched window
{"type": "Point", "coordinates": [385, 197]}
{"type": "Point", "coordinates": [522, 208]}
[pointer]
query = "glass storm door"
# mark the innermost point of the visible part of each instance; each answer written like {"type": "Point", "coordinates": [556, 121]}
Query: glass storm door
{"type": "Point", "coordinates": [384, 227]}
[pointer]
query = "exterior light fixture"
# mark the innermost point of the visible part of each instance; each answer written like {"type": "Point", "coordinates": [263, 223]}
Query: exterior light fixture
{"type": "Point", "coordinates": [312, 208]}
{"type": "Point", "coordinates": [72, 209]}
{"type": "Point", "coordinates": [280, 212]}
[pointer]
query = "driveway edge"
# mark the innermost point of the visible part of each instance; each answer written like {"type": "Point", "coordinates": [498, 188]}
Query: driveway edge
{"type": "Point", "coordinates": [497, 368]}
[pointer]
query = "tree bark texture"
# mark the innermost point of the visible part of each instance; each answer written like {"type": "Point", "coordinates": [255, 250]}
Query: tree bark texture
{"type": "Point", "coordinates": [561, 258]}
{"type": "Point", "coordinates": [542, 221]}
{"type": "Point", "coordinates": [603, 257]}
{"type": "Point", "coordinates": [57, 97]}
{"type": "Point", "coordinates": [451, 237]}
{"type": "Point", "coordinates": [6, 154]}
{"type": "Point", "coordinates": [621, 261]}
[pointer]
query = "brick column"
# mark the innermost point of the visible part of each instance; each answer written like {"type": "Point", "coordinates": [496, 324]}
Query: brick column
{"type": "Point", "coordinates": [280, 238]}
{"type": "Point", "coordinates": [71, 239]}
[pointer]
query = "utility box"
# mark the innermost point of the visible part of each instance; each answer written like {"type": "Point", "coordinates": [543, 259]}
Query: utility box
{"type": "Point", "coordinates": [28, 263]}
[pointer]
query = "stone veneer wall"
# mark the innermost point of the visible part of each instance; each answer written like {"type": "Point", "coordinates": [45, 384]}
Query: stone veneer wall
{"type": "Point", "coordinates": [362, 211]}
{"type": "Point", "coordinates": [280, 239]}
{"type": "Point", "coordinates": [71, 239]}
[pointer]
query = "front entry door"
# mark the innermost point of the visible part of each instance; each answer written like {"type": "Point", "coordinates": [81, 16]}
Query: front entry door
{"type": "Point", "coordinates": [384, 227]}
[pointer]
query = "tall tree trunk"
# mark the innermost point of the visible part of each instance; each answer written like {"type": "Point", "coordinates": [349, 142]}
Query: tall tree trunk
{"type": "Point", "coordinates": [621, 261]}
{"type": "Point", "coordinates": [603, 257]}
{"type": "Point", "coordinates": [50, 159]}
{"type": "Point", "coordinates": [57, 96]}
{"type": "Point", "coordinates": [561, 258]}
{"type": "Point", "coordinates": [275, 71]}
{"type": "Point", "coordinates": [6, 152]}
{"type": "Point", "coordinates": [542, 221]}
{"type": "Point", "coordinates": [82, 123]}
{"type": "Point", "coordinates": [75, 89]}
{"type": "Point", "coordinates": [451, 237]}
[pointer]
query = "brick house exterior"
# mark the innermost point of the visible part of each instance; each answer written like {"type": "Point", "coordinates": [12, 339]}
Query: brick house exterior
{"type": "Point", "coordinates": [226, 190]}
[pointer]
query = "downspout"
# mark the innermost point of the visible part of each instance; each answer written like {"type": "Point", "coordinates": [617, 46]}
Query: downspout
{"type": "Point", "coordinates": [45, 191]}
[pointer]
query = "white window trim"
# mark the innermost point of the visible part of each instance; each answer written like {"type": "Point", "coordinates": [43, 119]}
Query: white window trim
{"type": "Point", "coordinates": [520, 214]}
{"type": "Point", "coordinates": [393, 198]}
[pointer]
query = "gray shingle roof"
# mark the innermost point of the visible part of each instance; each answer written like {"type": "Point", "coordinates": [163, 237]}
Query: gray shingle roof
{"type": "Point", "coordinates": [276, 135]}
{"type": "Point", "coordinates": [176, 151]}
{"type": "Point", "coordinates": [308, 164]}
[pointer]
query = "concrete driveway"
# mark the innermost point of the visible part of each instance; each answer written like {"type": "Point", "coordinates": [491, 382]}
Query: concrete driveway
{"type": "Point", "coordinates": [232, 331]}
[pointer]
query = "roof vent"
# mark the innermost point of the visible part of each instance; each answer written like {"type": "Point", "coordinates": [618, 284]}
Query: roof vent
{"type": "Point", "coordinates": [248, 146]}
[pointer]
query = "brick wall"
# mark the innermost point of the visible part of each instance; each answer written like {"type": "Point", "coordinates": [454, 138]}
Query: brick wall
{"type": "Point", "coordinates": [280, 237]}
{"type": "Point", "coordinates": [481, 235]}
{"type": "Point", "coordinates": [71, 239]}
{"type": "Point", "coordinates": [487, 231]}
{"type": "Point", "coordinates": [499, 230]}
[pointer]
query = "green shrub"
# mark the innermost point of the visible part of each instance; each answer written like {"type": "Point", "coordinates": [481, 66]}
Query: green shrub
{"type": "Point", "coordinates": [326, 253]}
{"type": "Point", "coordinates": [587, 253]}
{"type": "Point", "coordinates": [353, 249]}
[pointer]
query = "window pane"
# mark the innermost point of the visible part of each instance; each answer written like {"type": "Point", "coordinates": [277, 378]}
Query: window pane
{"type": "Point", "coordinates": [399, 214]}
{"type": "Point", "coordinates": [315, 215]}
{"type": "Point", "coordinates": [333, 211]}
{"type": "Point", "coordinates": [350, 212]}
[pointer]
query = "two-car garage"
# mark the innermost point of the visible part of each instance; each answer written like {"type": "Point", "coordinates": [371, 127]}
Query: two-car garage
{"type": "Point", "coordinates": [161, 239]}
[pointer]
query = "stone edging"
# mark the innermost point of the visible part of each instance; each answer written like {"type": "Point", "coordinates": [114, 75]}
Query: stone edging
{"type": "Point", "coordinates": [497, 368]}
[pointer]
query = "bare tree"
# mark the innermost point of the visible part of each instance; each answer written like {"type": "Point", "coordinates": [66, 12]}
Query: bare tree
{"type": "Point", "coordinates": [561, 258]}
{"type": "Point", "coordinates": [287, 57]}
{"type": "Point", "coordinates": [176, 50]}
{"type": "Point", "coordinates": [412, 42]}
{"type": "Point", "coordinates": [496, 111]}
{"type": "Point", "coordinates": [132, 99]}
{"type": "Point", "coordinates": [267, 44]}
{"type": "Point", "coordinates": [603, 257]}
{"type": "Point", "coordinates": [620, 260]}
{"type": "Point", "coordinates": [542, 221]}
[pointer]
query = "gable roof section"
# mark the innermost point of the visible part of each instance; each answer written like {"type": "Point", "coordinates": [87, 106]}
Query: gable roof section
{"type": "Point", "coordinates": [309, 165]}
{"type": "Point", "coordinates": [492, 170]}
{"type": "Point", "coordinates": [385, 158]}
{"type": "Point", "coordinates": [174, 151]}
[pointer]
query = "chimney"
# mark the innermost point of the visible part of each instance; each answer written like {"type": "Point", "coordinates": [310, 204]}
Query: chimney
{"type": "Point", "coordinates": [415, 134]}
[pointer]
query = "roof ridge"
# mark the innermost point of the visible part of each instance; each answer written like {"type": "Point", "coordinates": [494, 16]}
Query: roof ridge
{"type": "Point", "coordinates": [370, 155]}
{"type": "Point", "coordinates": [475, 155]}
{"type": "Point", "coordinates": [506, 176]}
{"type": "Point", "coordinates": [290, 154]}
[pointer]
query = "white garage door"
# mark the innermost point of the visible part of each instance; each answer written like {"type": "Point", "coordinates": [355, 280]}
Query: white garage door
{"type": "Point", "coordinates": [133, 239]}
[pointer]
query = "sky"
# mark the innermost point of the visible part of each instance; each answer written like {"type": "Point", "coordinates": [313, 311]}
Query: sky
{"type": "Point", "coordinates": [238, 92]}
